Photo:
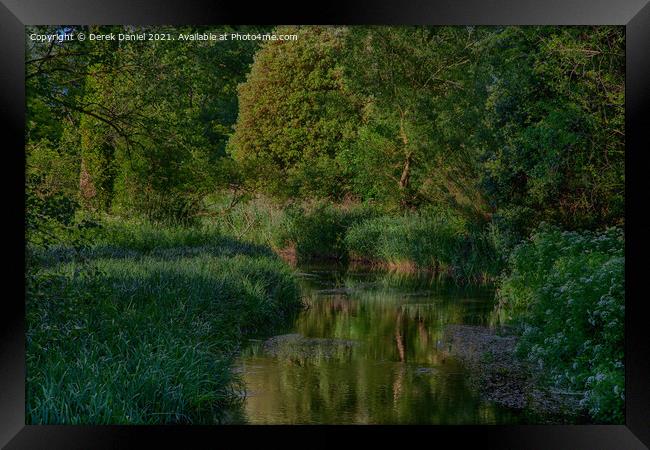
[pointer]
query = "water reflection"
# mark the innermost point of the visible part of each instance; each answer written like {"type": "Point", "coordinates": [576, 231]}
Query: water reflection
{"type": "Point", "coordinates": [368, 350]}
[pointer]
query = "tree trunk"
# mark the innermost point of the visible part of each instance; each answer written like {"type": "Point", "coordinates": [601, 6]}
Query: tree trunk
{"type": "Point", "coordinates": [86, 185]}
{"type": "Point", "coordinates": [406, 171]}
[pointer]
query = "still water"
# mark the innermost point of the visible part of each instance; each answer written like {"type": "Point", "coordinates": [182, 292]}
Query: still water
{"type": "Point", "coordinates": [368, 350]}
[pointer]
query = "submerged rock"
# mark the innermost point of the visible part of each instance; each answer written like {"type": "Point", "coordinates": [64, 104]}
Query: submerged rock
{"type": "Point", "coordinates": [425, 371]}
{"type": "Point", "coordinates": [296, 346]}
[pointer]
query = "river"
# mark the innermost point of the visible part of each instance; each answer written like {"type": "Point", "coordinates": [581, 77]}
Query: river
{"type": "Point", "coordinates": [368, 349]}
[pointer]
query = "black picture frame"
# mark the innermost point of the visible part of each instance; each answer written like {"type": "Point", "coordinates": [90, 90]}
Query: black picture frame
{"type": "Point", "coordinates": [633, 14]}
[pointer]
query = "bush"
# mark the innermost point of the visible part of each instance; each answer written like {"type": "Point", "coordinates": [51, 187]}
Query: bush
{"type": "Point", "coordinates": [320, 230]}
{"type": "Point", "coordinates": [302, 84]}
{"type": "Point", "coordinates": [566, 290]}
{"type": "Point", "coordinates": [165, 207]}
{"type": "Point", "coordinates": [54, 220]}
{"type": "Point", "coordinates": [145, 236]}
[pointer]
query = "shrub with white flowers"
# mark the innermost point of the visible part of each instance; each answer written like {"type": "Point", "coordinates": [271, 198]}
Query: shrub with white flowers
{"type": "Point", "coordinates": [567, 290]}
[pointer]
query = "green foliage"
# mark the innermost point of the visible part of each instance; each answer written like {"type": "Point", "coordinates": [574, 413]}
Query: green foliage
{"type": "Point", "coordinates": [50, 191]}
{"type": "Point", "coordinates": [416, 83]}
{"type": "Point", "coordinates": [51, 211]}
{"type": "Point", "coordinates": [170, 208]}
{"type": "Point", "coordinates": [296, 115]}
{"type": "Point", "coordinates": [432, 239]}
{"type": "Point", "coordinates": [186, 103]}
{"type": "Point", "coordinates": [567, 290]}
{"type": "Point", "coordinates": [257, 220]}
{"type": "Point", "coordinates": [553, 133]}
{"type": "Point", "coordinates": [150, 119]}
{"type": "Point", "coordinates": [485, 120]}
{"type": "Point", "coordinates": [145, 333]}
{"type": "Point", "coordinates": [144, 236]}
{"type": "Point", "coordinates": [319, 231]}
{"type": "Point", "coordinates": [463, 140]}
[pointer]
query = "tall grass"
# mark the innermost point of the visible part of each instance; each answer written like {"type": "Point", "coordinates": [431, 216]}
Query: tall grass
{"type": "Point", "coordinates": [141, 326]}
{"type": "Point", "coordinates": [434, 239]}
{"type": "Point", "coordinates": [318, 231]}
{"type": "Point", "coordinates": [257, 220]}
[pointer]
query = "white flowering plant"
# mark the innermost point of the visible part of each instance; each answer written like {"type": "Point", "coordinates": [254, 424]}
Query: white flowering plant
{"type": "Point", "coordinates": [566, 290]}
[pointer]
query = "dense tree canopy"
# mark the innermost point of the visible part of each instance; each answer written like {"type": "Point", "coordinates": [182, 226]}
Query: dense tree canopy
{"type": "Point", "coordinates": [522, 122]}
{"type": "Point", "coordinates": [297, 115]}
{"type": "Point", "coordinates": [146, 123]}
{"type": "Point", "coordinates": [516, 124]}
{"type": "Point", "coordinates": [553, 140]}
{"type": "Point", "coordinates": [416, 83]}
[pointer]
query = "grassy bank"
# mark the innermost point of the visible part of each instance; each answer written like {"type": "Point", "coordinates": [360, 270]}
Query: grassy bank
{"type": "Point", "coordinates": [434, 240]}
{"type": "Point", "coordinates": [134, 323]}
{"type": "Point", "coordinates": [141, 326]}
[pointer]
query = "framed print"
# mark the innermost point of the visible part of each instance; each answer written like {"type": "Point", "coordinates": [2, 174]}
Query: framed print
{"type": "Point", "coordinates": [417, 219]}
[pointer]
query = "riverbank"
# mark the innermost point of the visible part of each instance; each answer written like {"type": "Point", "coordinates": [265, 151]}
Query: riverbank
{"type": "Point", "coordinates": [435, 240]}
{"type": "Point", "coordinates": [142, 326]}
{"type": "Point", "coordinates": [501, 377]}
{"type": "Point", "coordinates": [180, 300]}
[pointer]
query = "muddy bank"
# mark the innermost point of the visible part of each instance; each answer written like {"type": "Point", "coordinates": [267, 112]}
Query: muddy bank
{"type": "Point", "coordinates": [501, 377]}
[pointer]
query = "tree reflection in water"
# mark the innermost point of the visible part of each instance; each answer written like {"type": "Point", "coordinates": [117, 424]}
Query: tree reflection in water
{"type": "Point", "coordinates": [396, 372]}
